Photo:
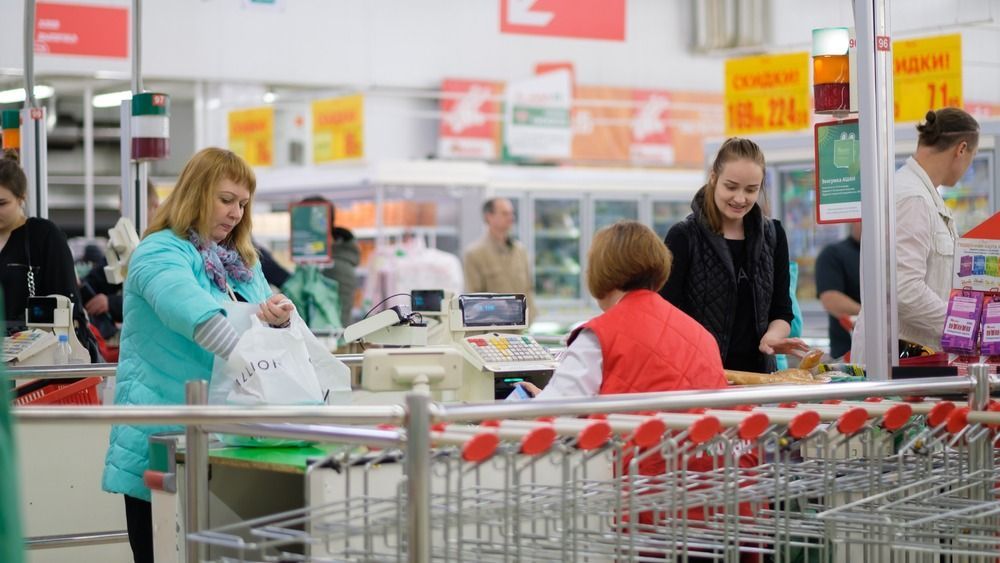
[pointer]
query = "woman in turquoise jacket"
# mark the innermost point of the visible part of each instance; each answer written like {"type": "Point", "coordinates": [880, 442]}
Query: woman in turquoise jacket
{"type": "Point", "coordinates": [195, 256]}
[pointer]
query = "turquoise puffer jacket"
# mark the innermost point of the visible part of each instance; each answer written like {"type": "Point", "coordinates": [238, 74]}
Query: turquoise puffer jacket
{"type": "Point", "coordinates": [167, 294]}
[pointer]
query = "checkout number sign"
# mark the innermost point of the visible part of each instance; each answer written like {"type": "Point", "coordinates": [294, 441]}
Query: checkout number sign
{"type": "Point", "coordinates": [767, 93]}
{"type": "Point", "coordinates": [927, 75]}
{"type": "Point", "coordinates": [312, 239]}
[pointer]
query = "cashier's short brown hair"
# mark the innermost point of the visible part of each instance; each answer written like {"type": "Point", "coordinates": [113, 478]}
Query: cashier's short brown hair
{"type": "Point", "coordinates": [627, 255]}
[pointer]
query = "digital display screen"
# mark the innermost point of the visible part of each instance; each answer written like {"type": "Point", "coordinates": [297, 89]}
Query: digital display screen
{"type": "Point", "coordinates": [426, 300]}
{"type": "Point", "coordinates": [493, 310]}
{"type": "Point", "coordinates": [42, 310]}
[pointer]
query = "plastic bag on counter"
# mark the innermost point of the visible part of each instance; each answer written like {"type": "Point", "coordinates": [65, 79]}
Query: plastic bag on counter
{"type": "Point", "coordinates": [272, 366]}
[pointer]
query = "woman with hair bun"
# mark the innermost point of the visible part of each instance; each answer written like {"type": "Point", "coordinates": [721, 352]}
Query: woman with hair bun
{"type": "Point", "coordinates": [925, 229]}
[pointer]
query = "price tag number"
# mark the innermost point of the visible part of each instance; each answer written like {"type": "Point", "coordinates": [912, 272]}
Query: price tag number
{"type": "Point", "coordinates": [773, 113]}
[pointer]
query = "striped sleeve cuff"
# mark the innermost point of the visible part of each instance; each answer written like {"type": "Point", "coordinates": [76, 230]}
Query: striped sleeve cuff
{"type": "Point", "coordinates": [217, 335]}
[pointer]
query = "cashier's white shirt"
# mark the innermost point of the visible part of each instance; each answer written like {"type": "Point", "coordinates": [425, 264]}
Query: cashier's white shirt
{"type": "Point", "coordinates": [925, 249]}
{"type": "Point", "coordinates": [580, 372]}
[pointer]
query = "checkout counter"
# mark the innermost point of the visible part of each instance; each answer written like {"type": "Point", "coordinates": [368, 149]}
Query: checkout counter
{"type": "Point", "coordinates": [457, 348]}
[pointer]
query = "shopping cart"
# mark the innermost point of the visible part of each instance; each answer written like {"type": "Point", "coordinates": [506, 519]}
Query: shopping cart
{"type": "Point", "coordinates": [871, 480]}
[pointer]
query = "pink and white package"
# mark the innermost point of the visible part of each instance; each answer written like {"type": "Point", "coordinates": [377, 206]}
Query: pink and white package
{"type": "Point", "coordinates": [991, 324]}
{"type": "Point", "coordinates": [961, 324]}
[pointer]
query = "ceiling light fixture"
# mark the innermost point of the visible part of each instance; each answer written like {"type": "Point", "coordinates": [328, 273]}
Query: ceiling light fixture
{"type": "Point", "coordinates": [17, 94]}
{"type": "Point", "coordinates": [111, 99]}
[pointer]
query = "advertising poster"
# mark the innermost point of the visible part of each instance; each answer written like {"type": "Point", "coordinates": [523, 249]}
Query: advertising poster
{"type": "Point", "coordinates": [838, 172]}
{"type": "Point", "coordinates": [537, 116]}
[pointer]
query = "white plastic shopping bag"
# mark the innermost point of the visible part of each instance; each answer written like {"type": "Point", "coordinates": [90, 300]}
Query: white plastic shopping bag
{"type": "Point", "coordinates": [270, 366]}
{"type": "Point", "coordinates": [333, 375]}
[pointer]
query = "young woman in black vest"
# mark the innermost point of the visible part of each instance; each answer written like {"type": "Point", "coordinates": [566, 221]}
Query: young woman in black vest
{"type": "Point", "coordinates": [731, 264]}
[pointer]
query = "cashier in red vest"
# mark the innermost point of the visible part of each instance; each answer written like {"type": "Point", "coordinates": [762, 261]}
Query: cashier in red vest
{"type": "Point", "coordinates": [640, 343]}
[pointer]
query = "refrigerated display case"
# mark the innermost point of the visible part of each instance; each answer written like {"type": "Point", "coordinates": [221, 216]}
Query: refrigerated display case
{"type": "Point", "coordinates": [796, 209]}
{"type": "Point", "coordinates": [971, 199]}
{"type": "Point", "coordinates": [557, 237]}
{"type": "Point", "coordinates": [666, 214]}
{"type": "Point", "coordinates": [609, 211]}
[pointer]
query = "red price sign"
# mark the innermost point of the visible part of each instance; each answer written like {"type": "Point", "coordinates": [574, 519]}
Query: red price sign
{"type": "Point", "coordinates": [767, 93]}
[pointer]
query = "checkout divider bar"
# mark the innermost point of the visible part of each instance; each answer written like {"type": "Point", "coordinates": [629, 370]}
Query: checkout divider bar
{"type": "Point", "coordinates": [717, 398]}
{"type": "Point", "coordinates": [74, 371]}
{"type": "Point", "coordinates": [207, 414]}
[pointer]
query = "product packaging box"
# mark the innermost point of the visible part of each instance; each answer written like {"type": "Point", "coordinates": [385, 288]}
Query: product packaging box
{"type": "Point", "coordinates": [961, 325]}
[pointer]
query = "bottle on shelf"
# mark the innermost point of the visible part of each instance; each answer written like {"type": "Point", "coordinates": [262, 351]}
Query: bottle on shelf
{"type": "Point", "coordinates": [63, 354]}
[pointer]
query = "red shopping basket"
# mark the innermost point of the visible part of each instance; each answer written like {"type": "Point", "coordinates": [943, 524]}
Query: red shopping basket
{"type": "Point", "coordinates": [58, 392]}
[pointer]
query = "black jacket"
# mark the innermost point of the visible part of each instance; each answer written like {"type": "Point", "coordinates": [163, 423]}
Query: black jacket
{"type": "Point", "coordinates": [703, 281]}
{"type": "Point", "coordinates": [40, 246]}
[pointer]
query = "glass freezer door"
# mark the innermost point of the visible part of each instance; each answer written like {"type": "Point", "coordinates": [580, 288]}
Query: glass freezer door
{"type": "Point", "coordinates": [609, 211]}
{"type": "Point", "coordinates": [557, 248]}
{"type": "Point", "coordinates": [668, 213]}
{"type": "Point", "coordinates": [969, 199]}
{"type": "Point", "coordinates": [805, 238]}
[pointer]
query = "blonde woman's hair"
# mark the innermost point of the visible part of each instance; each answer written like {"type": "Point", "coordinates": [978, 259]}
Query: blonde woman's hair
{"type": "Point", "coordinates": [627, 255]}
{"type": "Point", "coordinates": [192, 202]}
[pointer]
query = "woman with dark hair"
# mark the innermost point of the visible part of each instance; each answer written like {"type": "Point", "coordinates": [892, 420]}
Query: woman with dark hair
{"type": "Point", "coordinates": [35, 259]}
{"type": "Point", "coordinates": [731, 264]}
{"type": "Point", "coordinates": [925, 229]}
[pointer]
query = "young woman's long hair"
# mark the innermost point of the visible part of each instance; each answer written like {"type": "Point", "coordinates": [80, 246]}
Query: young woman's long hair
{"type": "Point", "coordinates": [734, 148]}
{"type": "Point", "coordinates": [192, 203]}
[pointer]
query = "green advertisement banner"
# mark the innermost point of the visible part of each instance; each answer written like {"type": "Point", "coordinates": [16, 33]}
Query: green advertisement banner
{"type": "Point", "coordinates": [838, 172]}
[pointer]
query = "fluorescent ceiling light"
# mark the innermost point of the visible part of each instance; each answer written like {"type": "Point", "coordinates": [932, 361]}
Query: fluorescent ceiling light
{"type": "Point", "coordinates": [111, 99]}
{"type": "Point", "coordinates": [17, 94]}
{"type": "Point", "coordinates": [269, 97]}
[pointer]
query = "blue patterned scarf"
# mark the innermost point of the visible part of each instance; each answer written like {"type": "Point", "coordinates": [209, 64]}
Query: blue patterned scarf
{"type": "Point", "coordinates": [220, 261]}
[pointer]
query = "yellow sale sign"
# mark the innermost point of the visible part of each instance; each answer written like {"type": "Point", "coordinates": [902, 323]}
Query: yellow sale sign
{"type": "Point", "coordinates": [338, 128]}
{"type": "Point", "coordinates": [767, 93]}
{"type": "Point", "coordinates": [251, 135]}
{"type": "Point", "coordinates": [927, 74]}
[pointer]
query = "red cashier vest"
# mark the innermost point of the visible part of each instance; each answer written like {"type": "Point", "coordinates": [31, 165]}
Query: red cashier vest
{"type": "Point", "coordinates": [649, 345]}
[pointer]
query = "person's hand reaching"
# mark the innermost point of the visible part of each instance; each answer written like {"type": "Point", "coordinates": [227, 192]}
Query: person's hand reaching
{"type": "Point", "coordinates": [276, 311]}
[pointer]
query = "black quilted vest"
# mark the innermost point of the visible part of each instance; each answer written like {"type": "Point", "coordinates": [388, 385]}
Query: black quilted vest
{"type": "Point", "coordinates": [710, 292]}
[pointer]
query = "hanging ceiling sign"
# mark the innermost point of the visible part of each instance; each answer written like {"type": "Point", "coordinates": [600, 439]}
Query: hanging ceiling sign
{"type": "Point", "coordinates": [537, 116]}
{"type": "Point", "coordinates": [470, 119]}
{"type": "Point", "coordinates": [251, 135]}
{"type": "Point", "coordinates": [584, 19]}
{"type": "Point", "coordinates": [927, 74]}
{"type": "Point", "coordinates": [767, 93]}
{"type": "Point", "coordinates": [338, 128]}
{"type": "Point", "coordinates": [82, 30]}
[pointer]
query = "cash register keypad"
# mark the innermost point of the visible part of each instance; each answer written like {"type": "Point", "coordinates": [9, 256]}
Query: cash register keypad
{"type": "Point", "coordinates": [495, 348]}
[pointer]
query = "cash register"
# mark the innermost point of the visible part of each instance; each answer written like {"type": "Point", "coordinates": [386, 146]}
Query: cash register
{"type": "Point", "coordinates": [487, 328]}
{"type": "Point", "coordinates": [483, 329]}
{"type": "Point", "coordinates": [46, 317]}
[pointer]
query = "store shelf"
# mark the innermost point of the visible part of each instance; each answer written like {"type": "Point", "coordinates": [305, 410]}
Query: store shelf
{"type": "Point", "coordinates": [571, 234]}
{"type": "Point", "coordinates": [371, 232]}
{"type": "Point", "coordinates": [557, 270]}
